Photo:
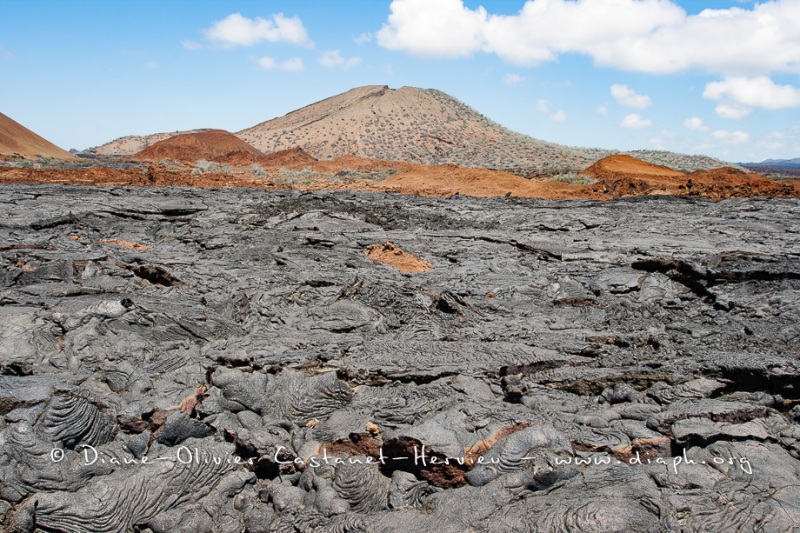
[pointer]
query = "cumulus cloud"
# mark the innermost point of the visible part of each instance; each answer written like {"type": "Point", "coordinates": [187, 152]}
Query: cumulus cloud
{"type": "Point", "coordinates": [602, 110]}
{"type": "Point", "coordinates": [634, 121]}
{"type": "Point", "coordinates": [626, 96]}
{"type": "Point", "coordinates": [512, 79]}
{"type": "Point", "coordinates": [657, 143]}
{"type": "Point", "coordinates": [236, 30]}
{"type": "Point", "coordinates": [363, 38]}
{"type": "Point", "coordinates": [294, 64]}
{"type": "Point", "coordinates": [695, 124]}
{"type": "Point", "coordinates": [334, 59]}
{"type": "Point", "coordinates": [732, 111]}
{"type": "Point", "coordinates": [433, 28]}
{"type": "Point", "coordinates": [654, 36]}
{"type": "Point", "coordinates": [753, 92]}
{"type": "Point", "coordinates": [772, 141]}
{"type": "Point", "coordinates": [191, 45]}
{"type": "Point", "coordinates": [543, 106]}
{"type": "Point", "coordinates": [730, 137]}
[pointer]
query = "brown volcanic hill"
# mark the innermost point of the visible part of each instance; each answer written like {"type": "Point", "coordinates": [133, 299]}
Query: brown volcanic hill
{"type": "Point", "coordinates": [133, 144]}
{"type": "Point", "coordinates": [212, 145]}
{"type": "Point", "coordinates": [293, 158]}
{"type": "Point", "coordinates": [407, 124]}
{"type": "Point", "coordinates": [16, 139]}
{"type": "Point", "coordinates": [617, 166]}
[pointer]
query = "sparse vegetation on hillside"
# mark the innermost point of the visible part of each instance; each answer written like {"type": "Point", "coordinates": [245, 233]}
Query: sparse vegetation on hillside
{"type": "Point", "coordinates": [573, 177]}
{"type": "Point", "coordinates": [293, 177]}
{"type": "Point", "coordinates": [424, 126]}
{"type": "Point", "coordinates": [350, 175]}
{"type": "Point", "coordinates": [203, 166]}
{"type": "Point", "coordinates": [680, 162]}
{"type": "Point", "coordinates": [256, 169]}
{"type": "Point", "coordinates": [79, 163]}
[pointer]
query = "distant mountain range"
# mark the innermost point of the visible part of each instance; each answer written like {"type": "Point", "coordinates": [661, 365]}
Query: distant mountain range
{"type": "Point", "coordinates": [418, 126]}
{"type": "Point", "coordinates": [788, 163]}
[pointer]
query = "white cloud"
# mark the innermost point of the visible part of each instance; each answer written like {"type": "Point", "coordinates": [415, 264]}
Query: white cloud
{"type": "Point", "coordinates": [291, 65]}
{"type": "Point", "coordinates": [634, 121]}
{"type": "Point", "coordinates": [267, 63]}
{"type": "Point", "coordinates": [542, 106]}
{"type": "Point", "coordinates": [730, 137]}
{"type": "Point", "coordinates": [513, 79]}
{"type": "Point", "coordinates": [774, 140]}
{"type": "Point", "coordinates": [363, 38]}
{"type": "Point", "coordinates": [334, 59]}
{"type": "Point", "coordinates": [654, 36]}
{"type": "Point", "coordinates": [438, 28]}
{"type": "Point", "coordinates": [732, 111]}
{"type": "Point", "coordinates": [754, 92]}
{"type": "Point", "coordinates": [191, 45]}
{"type": "Point", "coordinates": [695, 124]}
{"type": "Point", "coordinates": [236, 30]}
{"type": "Point", "coordinates": [770, 145]}
{"type": "Point", "coordinates": [602, 110]}
{"type": "Point", "coordinates": [626, 96]}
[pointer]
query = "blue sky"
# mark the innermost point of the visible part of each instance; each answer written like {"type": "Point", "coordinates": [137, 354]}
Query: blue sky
{"type": "Point", "coordinates": [717, 77]}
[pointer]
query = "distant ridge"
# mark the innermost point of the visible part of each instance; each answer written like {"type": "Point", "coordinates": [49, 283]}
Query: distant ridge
{"type": "Point", "coordinates": [133, 144]}
{"type": "Point", "coordinates": [419, 126]}
{"type": "Point", "coordinates": [791, 163]}
{"type": "Point", "coordinates": [17, 140]}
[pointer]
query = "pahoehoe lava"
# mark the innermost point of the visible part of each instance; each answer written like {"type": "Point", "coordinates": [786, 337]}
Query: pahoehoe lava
{"type": "Point", "coordinates": [200, 360]}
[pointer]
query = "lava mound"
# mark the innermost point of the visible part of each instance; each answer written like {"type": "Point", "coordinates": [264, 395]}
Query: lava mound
{"type": "Point", "coordinates": [212, 145]}
{"type": "Point", "coordinates": [618, 166]}
{"type": "Point", "coordinates": [293, 158]}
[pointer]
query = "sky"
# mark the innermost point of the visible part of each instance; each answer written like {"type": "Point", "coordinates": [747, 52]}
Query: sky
{"type": "Point", "coordinates": [718, 77]}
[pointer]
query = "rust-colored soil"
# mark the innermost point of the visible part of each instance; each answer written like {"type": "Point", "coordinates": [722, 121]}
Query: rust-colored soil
{"type": "Point", "coordinates": [211, 145]}
{"type": "Point", "coordinates": [622, 175]}
{"type": "Point", "coordinates": [153, 176]}
{"type": "Point", "coordinates": [361, 164]}
{"type": "Point", "coordinates": [624, 165]}
{"type": "Point", "coordinates": [293, 158]}
{"type": "Point", "coordinates": [389, 254]}
{"type": "Point", "coordinates": [127, 244]}
{"type": "Point", "coordinates": [447, 180]}
{"type": "Point", "coordinates": [616, 177]}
